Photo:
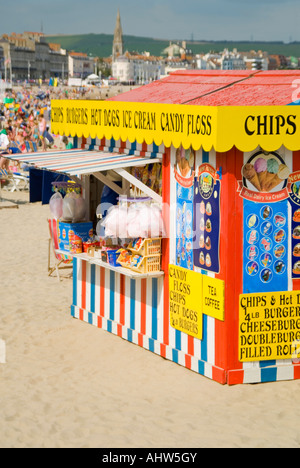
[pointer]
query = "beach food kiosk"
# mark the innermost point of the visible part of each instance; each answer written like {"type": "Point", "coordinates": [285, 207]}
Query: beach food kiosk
{"type": "Point", "coordinates": [225, 300]}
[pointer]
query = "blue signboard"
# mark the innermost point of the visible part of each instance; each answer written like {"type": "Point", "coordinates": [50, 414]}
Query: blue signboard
{"type": "Point", "coordinates": [265, 247]}
{"type": "Point", "coordinates": [184, 227]}
{"type": "Point", "coordinates": [207, 213]}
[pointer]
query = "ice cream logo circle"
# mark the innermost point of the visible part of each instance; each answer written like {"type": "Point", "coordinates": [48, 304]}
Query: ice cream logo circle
{"type": "Point", "coordinates": [266, 275]}
{"type": "Point", "coordinates": [279, 267]}
{"type": "Point", "coordinates": [266, 244]}
{"type": "Point", "coordinates": [252, 237]}
{"type": "Point", "coordinates": [266, 228]}
{"type": "Point", "coordinates": [266, 212]}
{"type": "Point", "coordinates": [252, 268]}
{"type": "Point", "coordinates": [279, 251]}
{"type": "Point", "coordinates": [279, 220]}
{"type": "Point", "coordinates": [266, 260]}
{"type": "Point", "coordinates": [265, 172]}
{"type": "Point", "coordinates": [206, 185]}
{"type": "Point", "coordinates": [252, 252]}
{"type": "Point", "coordinates": [252, 221]}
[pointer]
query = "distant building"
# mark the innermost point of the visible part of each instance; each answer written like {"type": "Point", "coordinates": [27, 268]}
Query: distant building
{"type": "Point", "coordinates": [80, 65]}
{"type": "Point", "coordinates": [256, 60]}
{"type": "Point", "coordinates": [208, 61]}
{"type": "Point", "coordinates": [29, 57]}
{"type": "Point", "coordinates": [232, 61]}
{"type": "Point", "coordinates": [277, 62]}
{"type": "Point", "coordinates": [174, 50]}
{"type": "Point", "coordinates": [138, 69]}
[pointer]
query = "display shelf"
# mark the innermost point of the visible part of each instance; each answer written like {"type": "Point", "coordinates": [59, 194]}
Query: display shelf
{"type": "Point", "coordinates": [123, 271]}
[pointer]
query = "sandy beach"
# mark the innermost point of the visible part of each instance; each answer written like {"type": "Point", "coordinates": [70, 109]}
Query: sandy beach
{"type": "Point", "coordinates": [67, 384]}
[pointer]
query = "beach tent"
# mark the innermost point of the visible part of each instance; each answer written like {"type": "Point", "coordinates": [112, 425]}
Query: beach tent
{"type": "Point", "coordinates": [93, 79]}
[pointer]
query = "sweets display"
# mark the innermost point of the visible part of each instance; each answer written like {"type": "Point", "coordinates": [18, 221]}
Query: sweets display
{"type": "Point", "coordinates": [134, 218]}
{"type": "Point", "coordinates": [265, 172]}
{"type": "Point", "coordinates": [141, 255]}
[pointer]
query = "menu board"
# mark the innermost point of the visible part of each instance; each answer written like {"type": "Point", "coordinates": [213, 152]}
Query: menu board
{"type": "Point", "coordinates": [207, 189]}
{"type": "Point", "coordinates": [265, 246]}
{"type": "Point", "coordinates": [264, 188]}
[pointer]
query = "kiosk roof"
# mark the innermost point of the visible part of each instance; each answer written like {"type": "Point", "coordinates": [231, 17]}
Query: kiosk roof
{"type": "Point", "coordinates": [220, 88]}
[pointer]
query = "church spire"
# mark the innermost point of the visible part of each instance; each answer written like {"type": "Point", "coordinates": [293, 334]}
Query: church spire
{"type": "Point", "coordinates": [118, 38]}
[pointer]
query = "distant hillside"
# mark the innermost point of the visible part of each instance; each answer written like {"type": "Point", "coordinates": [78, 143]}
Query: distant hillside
{"type": "Point", "coordinates": [100, 45]}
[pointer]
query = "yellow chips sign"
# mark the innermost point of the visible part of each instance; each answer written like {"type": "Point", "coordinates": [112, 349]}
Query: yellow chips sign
{"type": "Point", "coordinates": [191, 296]}
{"type": "Point", "coordinates": [269, 326]}
{"type": "Point", "coordinates": [245, 127]}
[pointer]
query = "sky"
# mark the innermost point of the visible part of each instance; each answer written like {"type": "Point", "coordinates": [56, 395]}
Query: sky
{"type": "Point", "coordinates": [258, 20]}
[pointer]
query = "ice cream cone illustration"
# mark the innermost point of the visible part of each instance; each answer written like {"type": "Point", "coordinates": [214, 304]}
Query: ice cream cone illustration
{"type": "Point", "coordinates": [270, 176]}
{"type": "Point", "coordinates": [250, 174]}
{"type": "Point", "coordinates": [282, 174]}
{"type": "Point", "coordinates": [261, 167]}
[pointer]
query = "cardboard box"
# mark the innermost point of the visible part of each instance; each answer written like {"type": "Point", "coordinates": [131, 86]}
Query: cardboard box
{"type": "Point", "coordinates": [82, 230]}
{"type": "Point", "coordinates": [110, 256]}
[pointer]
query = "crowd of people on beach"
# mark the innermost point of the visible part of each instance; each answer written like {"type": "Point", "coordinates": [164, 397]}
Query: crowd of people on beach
{"type": "Point", "coordinates": [25, 115]}
{"type": "Point", "coordinates": [24, 123]}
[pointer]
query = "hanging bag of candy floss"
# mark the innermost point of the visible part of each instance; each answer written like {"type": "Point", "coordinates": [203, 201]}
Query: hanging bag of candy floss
{"type": "Point", "coordinates": [157, 228]}
{"type": "Point", "coordinates": [56, 205]}
{"type": "Point", "coordinates": [133, 221]}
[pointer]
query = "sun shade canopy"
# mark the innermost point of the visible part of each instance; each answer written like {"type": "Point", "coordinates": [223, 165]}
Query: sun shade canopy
{"type": "Point", "coordinates": [81, 162]}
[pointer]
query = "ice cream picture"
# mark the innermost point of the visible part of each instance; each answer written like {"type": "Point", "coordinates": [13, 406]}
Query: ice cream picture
{"type": "Point", "coordinates": [250, 174]}
{"type": "Point", "coordinates": [261, 167]}
{"type": "Point", "coordinates": [265, 172]}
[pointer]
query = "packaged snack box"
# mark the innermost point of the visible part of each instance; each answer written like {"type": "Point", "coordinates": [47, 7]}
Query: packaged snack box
{"type": "Point", "coordinates": [65, 230]}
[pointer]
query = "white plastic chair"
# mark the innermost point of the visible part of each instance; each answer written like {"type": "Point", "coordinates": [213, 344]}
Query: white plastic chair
{"type": "Point", "coordinates": [16, 181]}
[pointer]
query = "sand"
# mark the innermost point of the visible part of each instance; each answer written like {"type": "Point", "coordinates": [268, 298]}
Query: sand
{"type": "Point", "coordinates": [67, 384]}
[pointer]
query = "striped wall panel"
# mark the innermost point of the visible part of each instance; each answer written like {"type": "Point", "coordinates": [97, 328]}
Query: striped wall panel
{"type": "Point", "coordinates": [260, 374]}
{"type": "Point", "coordinates": [133, 310]}
{"type": "Point", "coordinates": [109, 294]}
{"type": "Point", "coordinates": [111, 145]}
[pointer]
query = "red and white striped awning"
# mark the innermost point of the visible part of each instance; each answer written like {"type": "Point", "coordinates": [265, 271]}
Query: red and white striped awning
{"type": "Point", "coordinates": [78, 162]}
